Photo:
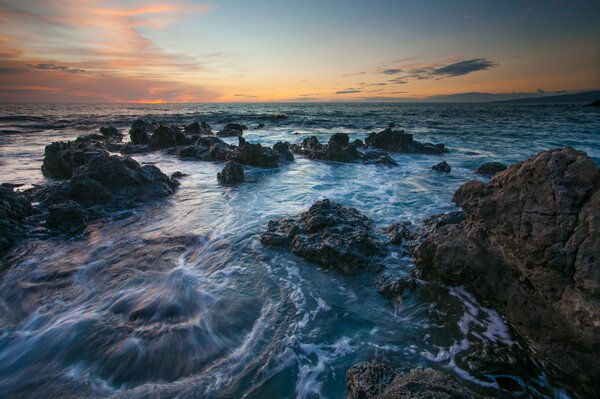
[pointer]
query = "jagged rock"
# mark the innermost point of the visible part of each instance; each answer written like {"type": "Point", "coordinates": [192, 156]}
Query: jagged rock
{"type": "Point", "coordinates": [378, 157]}
{"type": "Point", "coordinates": [14, 209]}
{"type": "Point", "coordinates": [62, 159]}
{"type": "Point", "coordinates": [231, 130]}
{"type": "Point", "coordinates": [177, 175]}
{"type": "Point", "coordinates": [379, 381]}
{"type": "Point", "coordinates": [130, 148]}
{"type": "Point", "coordinates": [283, 150]}
{"type": "Point", "coordinates": [140, 131]}
{"type": "Point", "coordinates": [490, 168]}
{"type": "Point", "coordinates": [166, 137]}
{"type": "Point", "coordinates": [392, 286]}
{"type": "Point", "coordinates": [232, 173]}
{"type": "Point", "coordinates": [254, 154]}
{"type": "Point", "coordinates": [200, 129]}
{"type": "Point", "coordinates": [358, 143]}
{"type": "Point", "coordinates": [68, 217]}
{"type": "Point", "coordinates": [329, 234]}
{"type": "Point", "coordinates": [442, 167]}
{"type": "Point", "coordinates": [340, 138]}
{"type": "Point", "coordinates": [529, 247]}
{"type": "Point", "coordinates": [111, 133]}
{"type": "Point", "coordinates": [398, 141]}
{"type": "Point", "coordinates": [400, 233]}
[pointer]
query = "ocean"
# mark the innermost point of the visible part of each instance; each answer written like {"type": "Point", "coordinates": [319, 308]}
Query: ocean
{"type": "Point", "coordinates": [178, 298]}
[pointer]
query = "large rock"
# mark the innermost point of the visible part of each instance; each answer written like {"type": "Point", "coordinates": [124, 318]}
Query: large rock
{"type": "Point", "coordinates": [200, 129]}
{"type": "Point", "coordinates": [339, 149]}
{"type": "Point", "coordinates": [379, 381]}
{"type": "Point", "coordinates": [68, 217]}
{"type": "Point", "coordinates": [530, 246]}
{"type": "Point", "coordinates": [232, 173]}
{"type": "Point", "coordinates": [140, 131]}
{"type": "Point", "coordinates": [283, 150]}
{"type": "Point", "coordinates": [232, 130]}
{"type": "Point", "coordinates": [328, 234]}
{"type": "Point", "coordinates": [254, 154]}
{"type": "Point", "coordinates": [62, 159]}
{"type": "Point", "coordinates": [111, 133]}
{"type": "Point", "coordinates": [14, 209]}
{"type": "Point", "coordinates": [398, 141]}
{"type": "Point", "coordinates": [166, 137]}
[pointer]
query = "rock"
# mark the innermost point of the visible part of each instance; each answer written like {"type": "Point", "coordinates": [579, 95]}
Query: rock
{"type": "Point", "coordinates": [339, 138]}
{"type": "Point", "coordinates": [528, 246]}
{"type": "Point", "coordinates": [392, 286]}
{"type": "Point", "coordinates": [111, 133]}
{"type": "Point", "coordinates": [232, 173]}
{"type": "Point", "coordinates": [400, 233]}
{"type": "Point", "coordinates": [378, 157]}
{"type": "Point", "coordinates": [398, 141]}
{"type": "Point", "coordinates": [130, 148]}
{"type": "Point", "coordinates": [68, 217]}
{"type": "Point", "coordinates": [177, 175]}
{"type": "Point", "coordinates": [260, 126]}
{"type": "Point", "coordinates": [200, 129]}
{"type": "Point", "coordinates": [140, 131]}
{"type": "Point", "coordinates": [594, 104]}
{"type": "Point", "coordinates": [442, 167]}
{"type": "Point", "coordinates": [333, 151]}
{"type": "Point", "coordinates": [490, 168]}
{"type": "Point", "coordinates": [283, 150]}
{"type": "Point", "coordinates": [254, 154]}
{"type": "Point", "coordinates": [328, 234]}
{"type": "Point", "coordinates": [379, 381]}
{"type": "Point", "coordinates": [14, 209]}
{"type": "Point", "coordinates": [358, 143]}
{"type": "Point", "coordinates": [231, 130]}
{"type": "Point", "coordinates": [62, 159]}
{"type": "Point", "coordinates": [165, 137]}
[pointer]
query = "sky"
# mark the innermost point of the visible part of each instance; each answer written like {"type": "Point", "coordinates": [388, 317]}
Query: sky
{"type": "Point", "coordinates": [162, 51]}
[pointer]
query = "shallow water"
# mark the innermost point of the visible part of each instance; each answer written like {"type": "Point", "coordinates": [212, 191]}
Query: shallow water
{"type": "Point", "coordinates": [179, 298]}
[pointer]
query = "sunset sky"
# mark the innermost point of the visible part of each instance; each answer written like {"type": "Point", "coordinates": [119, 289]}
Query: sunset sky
{"type": "Point", "coordinates": [309, 50]}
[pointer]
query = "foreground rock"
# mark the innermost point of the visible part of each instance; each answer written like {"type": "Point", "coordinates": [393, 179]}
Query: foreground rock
{"type": "Point", "coordinates": [442, 167]}
{"type": "Point", "coordinates": [339, 149]}
{"type": "Point", "coordinates": [529, 246]}
{"type": "Point", "coordinates": [62, 159]}
{"type": "Point", "coordinates": [14, 209]}
{"type": "Point", "coordinates": [490, 168]}
{"type": "Point", "coordinates": [398, 141]}
{"type": "Point", "coordinates": [328, 234]}
{"type": "Point", "coordinates": [379, 381]}
{"type": "Point", "coordinates": [68, 217]}
{"type": "Point", "coordinates": [141, 131]}
{"type": "Point", "coordinates": [199, 129]}
{"type": "Point", "coordinates": [232, 173]}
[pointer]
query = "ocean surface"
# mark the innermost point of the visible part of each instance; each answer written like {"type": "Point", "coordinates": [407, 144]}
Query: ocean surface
{"type": "Point", "coordinates": [178, 298]}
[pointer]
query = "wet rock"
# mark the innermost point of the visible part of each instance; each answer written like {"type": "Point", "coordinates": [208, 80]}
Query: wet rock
{"type": "Point", "coordinates": [379, 381]}
{"type": "Point", "coordinates": [14, 209]}
{"type": "Point", "coordinates": [131, 148]}
{"type": "Point", "coordinates": [594, 104]}
{"type": "Point", "coordinates": [260, 126]}
{"type": "Point", "coordinates": [254, 154]}
{"type": "Point", "coordinates": [68, 217]}
{"type": "Point", "coordinates": [200, 129]}
{"type": "Point", "coordinates": [62, 159]}
{"type": "Point", "coordinates": [490, 168]}
{"type": "Point", "coordinates": [140, 131]}
{"type": "Point", "coordinates": [528, 246]}
{"type": "Point", "coordinates": [378, 157]}
{"type": "Point", "coordinates": [442, 167]}
{"type": "Point", "coordinates": [328, 234]}
{"type": "Point", "coordinates": [400, 233]}
{"type": "Point", "coordinates": [232, 173]}
{"type": "Point", "coordinates": [398, 141]}
{"type": "Point", "coordinates": [333, 151]}
{"type": "Point", "coordinates": [392, 286]}
{"type": "Point", "coordinates": [177, 175]}
{"type": "Point", "coordinates": [166, 137]}
{"type": "Point", "coordinates": [358, 143]}
{"type": "Point", "coordinates": [443, 219]}
{"type": "Point", "coordinates": [232, 130]}
{"type": "Point", "coordinates": [340, 138]}
{"type": "Point", "coordinates": [111, 133]}
{"type": "Point", "coordinates": [283, 150]}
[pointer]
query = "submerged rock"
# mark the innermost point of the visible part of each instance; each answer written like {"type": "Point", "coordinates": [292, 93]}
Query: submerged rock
{"type": "Point", "coordinates": [328, 234]}
{"type": "Point", "coordinates": [442, 167]}
{"type": "Point", "coordinates": [529, 246]}
{"type": "Point", "coordinates": [380, 381]}
{"type": "Point", "coordinates": [398, 141]}
{"type": "Point", "coordinates": [232, 130]}
{"type": "Point", "coordinates": [14, 209]}
{"type": "Point", "coordinates": [490, 168]}
{"type": "Point", "coordinates": [68, 217]}
{"type": "Point", "coordinates": [140, 131]}
{"type": "Point", "coordinates": [232, 173]}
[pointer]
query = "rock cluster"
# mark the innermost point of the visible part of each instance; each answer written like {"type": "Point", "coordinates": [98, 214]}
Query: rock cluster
{"type": "Point", "coordinates": [232, 130]}
{"type": "Point", "coordinates": [380, 381]}
{"type": "Point", "coordinates": [529, 245]}
{"type": "Point", "coordinates": [328, 234]}
{"type": "Point", "coordinates": [398, 141]}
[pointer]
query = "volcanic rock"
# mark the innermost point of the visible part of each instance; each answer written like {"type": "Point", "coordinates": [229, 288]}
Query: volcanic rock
{"type": "Point", "coordinates": [398, 141]}
{"type": "Point", "coordinates": [232, 173]}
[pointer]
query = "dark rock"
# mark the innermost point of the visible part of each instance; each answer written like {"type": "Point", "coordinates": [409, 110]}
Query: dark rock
{"type": "Point", "coordinates": [177, 175]}
{"type": "Point", "coordinates": [339, 138]}
{"type": "Point", "coordinates": [329, 234]}
{"type": "Point", "coordinates": [62, 159]}
{"type": "Point", "coordinates": [333, 151]}
{"type": "Point", "coordinates": [399, 233]}
{"type": "Point", "coordinates": [140, 131]}
{"type": "Point", "coordinates": [358, 143]}
{"type": "Point", "coordinates": [443, 219]}
{"type": "Point", "coordinates": [200, 129]}
{"type": "Point", "coordinates": [378, 157]}
{"type": "Point", "coordinates": [68, 217]}
{"type": "Point", "coordinates": [231, 130]}
{"type": "Point", "coordinates": [379, 381]}
{"type": "Point", "coordinates": [260, 126]}
{"type": "Point", "coordinates": [490, 168]}
{"type": "Point", "coordinates": [442, 167]}
{"type": "Point", "coordinates": [165, 137]}
{"type": "Point", "coordinates": [232, 173]}
{"type": "Point", "coordinates": [529, 247]}
{"type": "Point", "coordinates": [398, 141]}
{"type": "Point", "coordinates": [14, 209]}
{"type": "Point", "coordinates": [111, 132]}
{"type": "Point", "coordinates": [392, 286]}
{"type": "Point", "coordinates": [254, 154]}
{"type": "Point", "coordinates": [594, 104]}
{"type": "Point", "coordinates": [283, 149]}
{"type": "Point", "coordinates": [130, 148]}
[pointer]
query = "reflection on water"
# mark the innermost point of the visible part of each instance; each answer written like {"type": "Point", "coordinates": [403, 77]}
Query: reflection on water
{"type": "Point", "coordinates": [178, 297]}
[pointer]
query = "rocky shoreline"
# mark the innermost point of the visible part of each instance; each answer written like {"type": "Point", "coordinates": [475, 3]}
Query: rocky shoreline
{"type": "Point", "coordinates": [527, 243]}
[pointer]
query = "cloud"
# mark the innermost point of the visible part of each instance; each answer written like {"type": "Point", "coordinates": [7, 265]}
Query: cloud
{"type": "Point", "coordinates": [438, 71]}
{"type": "Point", "coordinates": [7, 70]}
{"type": "Point", "coordinates": [53, 67]}
{"type": "Point", "coordinates": [348, 91]}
